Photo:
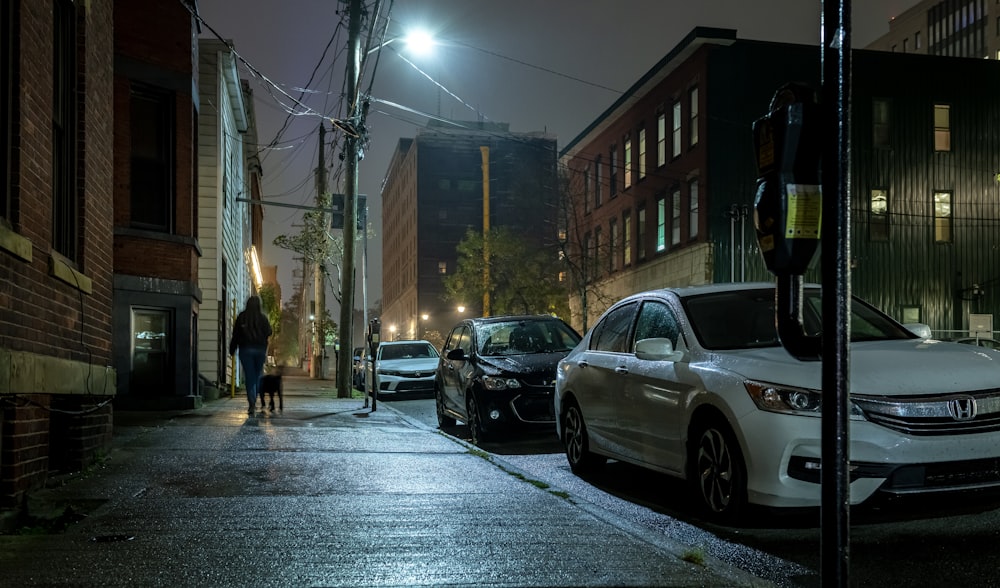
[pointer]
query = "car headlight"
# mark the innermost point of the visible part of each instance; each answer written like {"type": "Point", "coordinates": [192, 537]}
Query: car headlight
{"type": "Point", "coordinates": [800, 401]}
{"type": "Point", "coordinates": [500, 383]}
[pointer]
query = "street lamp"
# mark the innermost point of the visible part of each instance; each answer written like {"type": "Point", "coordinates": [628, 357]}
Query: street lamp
{"type": "Point", "coordinates": [417, 41]}
{"type": "Point", "coordinates": [392, 332]}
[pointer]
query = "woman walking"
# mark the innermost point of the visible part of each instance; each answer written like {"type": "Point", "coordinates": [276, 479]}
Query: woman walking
{"type": "Point", "coordinates": [250, 333]}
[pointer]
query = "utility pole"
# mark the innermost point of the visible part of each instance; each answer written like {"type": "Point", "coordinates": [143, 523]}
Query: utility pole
{"type": "Point", "coordinates": [352, 144]}
{"type": "Point", "coordinates": [485, 154]}
{"type": "Point", "coordinates": [316, 371]}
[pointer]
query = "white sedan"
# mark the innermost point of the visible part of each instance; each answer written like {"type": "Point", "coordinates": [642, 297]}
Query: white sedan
{"type": "Point", "coordinates": [693, 382]}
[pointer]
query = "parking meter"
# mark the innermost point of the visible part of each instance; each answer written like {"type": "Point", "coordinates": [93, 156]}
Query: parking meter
{"type": "Point", "coordinates": [788, 205]}
{"type": "Point", "coordinates": [374, 337]}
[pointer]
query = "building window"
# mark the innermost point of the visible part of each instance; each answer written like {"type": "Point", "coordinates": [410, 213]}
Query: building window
{"type": "Point", "coordinates": [7, 52]}
{"type": "Point", "coordinates": [598, 186]}
{"type": "Point", "coordinates": [627, 140]}
{"type": "Point", "coordinates": [444, 183]}
{"type": "Point", "coordinates": [612, 244]}
{"type": "Point", "coordinates": [588, 254]}
{"type": "Point", "coordinates": [880, 123]}
{"type": "Point", "coordinates": [442, 267]}
{"type": "Point", "coordinates": [640, 235]}
{"type": "Point", "coordinates": [675, 217]}
{"type": "Point", "coordinates": [613, 171]}
{"type": "Point", "coordinates": [627, 238]}
{"type": "Point", "coordinates": [587, 190]}
{"type": "Point", "coordinates": [65, 201]}
{"type": "Point", "coordinates": [442, 214]}
{"type": "Point", "coordinates": [693, 208]}
{"type": "Point", "coordinates": [661, 223]}
{"type": "Point", "coordinates": [906, 45]}
{"type": "Point", "coordinates": [942, 217]}
{"type": "Point", "coordinates": [917, 43]}
{"type": "Point", "coordinates": [677, 130]}
{"type": "Point", "coordinates": [942, 127]}
{"type": "Point", "coordinates": [878, 216]}
{"type": "Point", "coordinates": [152, 369]}
{"type": "Point", "coordinates": [911, 314]}
{"type": "Point", "coordinates": [661, 139]}
{"type": "Point", "coordinates": [642, 153]}
{"type": "Point", "coordinates": [152, 166]}
{"type": "Point", "coordinates": [693, 117]}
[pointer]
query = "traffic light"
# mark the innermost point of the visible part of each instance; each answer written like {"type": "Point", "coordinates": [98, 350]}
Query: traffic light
{"type": "Point", "coordinates": [337, 209]}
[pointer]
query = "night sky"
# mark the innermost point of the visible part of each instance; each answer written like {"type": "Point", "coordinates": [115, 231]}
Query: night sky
{"type": "Point", "coordinates": [539, 65]}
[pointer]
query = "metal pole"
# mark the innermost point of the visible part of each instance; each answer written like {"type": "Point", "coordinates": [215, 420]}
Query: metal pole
{"type": "Point", "coordinates": [836, 91]}
{"type": "Point", "coordinates": [352, 145]}
{"type": "Point", "coordinates": [485, 153]}
{"type": "Point", "coordinates": [316, 370]}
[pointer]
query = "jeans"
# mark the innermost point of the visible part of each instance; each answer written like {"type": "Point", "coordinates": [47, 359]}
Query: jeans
{"type": "Point", "coordinates": [252, 359]}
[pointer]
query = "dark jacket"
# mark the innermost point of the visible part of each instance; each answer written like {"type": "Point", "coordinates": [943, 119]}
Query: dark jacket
{"type": "Point", "coordinates": [248, 332]}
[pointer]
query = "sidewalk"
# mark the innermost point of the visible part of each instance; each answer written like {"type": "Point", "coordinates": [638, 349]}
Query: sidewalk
{"type": "Point", "coordinates": [327, 493]}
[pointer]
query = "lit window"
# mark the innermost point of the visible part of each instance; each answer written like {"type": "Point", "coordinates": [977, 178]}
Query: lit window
{"type": "Point", "coordinates": [628, 161]}
{"type": "Point", "coordinates": [642, 153]}
{"type": "Point", "coordinates": [661, 224]}
{"type": "Point", "coordinates": [627, 238]}
{"type": "Point", "coordinates": [661, 139]}
{"type": "Point", "coordinates": [677, 130]}
{"type": "Point", "coordinates": [878, 216]}
{"type": "Point", "coordinates": [942, 127]}
{"type": "Point", "coordinates": [442, 267]}
{"type": "Point", "coordinates": [942, 217]}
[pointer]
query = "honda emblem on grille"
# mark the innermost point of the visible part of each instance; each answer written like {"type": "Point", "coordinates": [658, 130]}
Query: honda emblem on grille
{"type": "Point", "coordinates": [963, 408]}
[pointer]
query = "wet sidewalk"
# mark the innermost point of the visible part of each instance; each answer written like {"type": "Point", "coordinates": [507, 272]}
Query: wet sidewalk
{"type": "Point", "coordinates": [327, 493]}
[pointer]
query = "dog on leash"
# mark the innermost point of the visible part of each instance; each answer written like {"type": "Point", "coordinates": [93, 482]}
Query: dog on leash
{"type": "Point", "coordinates": [271, 384]}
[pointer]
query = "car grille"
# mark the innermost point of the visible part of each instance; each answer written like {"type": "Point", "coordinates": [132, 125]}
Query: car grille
{"type": "Point", "coordinates": [954, 475]}
{"type": "Point", "coordinates": [952, 414]}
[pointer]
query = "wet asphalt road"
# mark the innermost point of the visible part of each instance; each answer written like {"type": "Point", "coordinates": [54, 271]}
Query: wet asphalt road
{"type": "Point", "coordinates": [951, 541]}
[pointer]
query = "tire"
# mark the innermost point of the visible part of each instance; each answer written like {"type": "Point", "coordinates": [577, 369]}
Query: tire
{"type": "Point", "coordinates": [717, 471]}
{"type": "Point", "coordinates": [577, 444]}
{"type": "Point", "coordinates": [478, 434]}
{"type": "Point", "coordinates": [444, 421]}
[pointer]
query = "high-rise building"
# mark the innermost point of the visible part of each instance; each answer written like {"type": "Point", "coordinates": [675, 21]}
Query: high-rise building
{"type": "Point", "coordinates": [950, 28]}
{"type": "Point", "coordinates": [434, 195]}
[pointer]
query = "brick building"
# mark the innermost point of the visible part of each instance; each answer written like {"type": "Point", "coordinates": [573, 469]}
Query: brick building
{"type": "Point", "coordinates": [56, 379]}
{"type": "Point", "coordinates": [664, 180]}
{"type": "Point", "coordinates": [156, 305]}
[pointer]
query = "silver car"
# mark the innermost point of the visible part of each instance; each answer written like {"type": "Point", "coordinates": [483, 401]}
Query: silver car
{"type": "Point", "coordinates": [694, 383]}
{"type": "Point", "coordinates": [406, 366]}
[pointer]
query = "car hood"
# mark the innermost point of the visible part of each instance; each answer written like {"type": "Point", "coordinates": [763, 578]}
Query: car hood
{"type": "Point", "coordinates": [880, 368]}
{"type": "Point", "coordinates": [528, 363]}
{"type": "Point", "coordinates": [415, 364]}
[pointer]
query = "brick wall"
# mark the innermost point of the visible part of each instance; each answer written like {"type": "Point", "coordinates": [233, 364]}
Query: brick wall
{"type": "Point", "coordinates": [55, 314]}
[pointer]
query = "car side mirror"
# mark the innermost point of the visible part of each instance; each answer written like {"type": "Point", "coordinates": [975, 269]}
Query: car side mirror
{"type": "Point", "coordinates": [657, 349]}
{"type": "Point", "coordinates": [456, 354]}
{"type": "Point", "coordinates": [919, 329]}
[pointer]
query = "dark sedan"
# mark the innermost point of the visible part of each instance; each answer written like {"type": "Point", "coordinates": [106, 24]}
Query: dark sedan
{"type": "Point", "coordinates": [498, 373]}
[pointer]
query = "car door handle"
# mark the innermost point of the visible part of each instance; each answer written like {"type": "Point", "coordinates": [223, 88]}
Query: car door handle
{"type": "Point", "coordinates": [621, 370]}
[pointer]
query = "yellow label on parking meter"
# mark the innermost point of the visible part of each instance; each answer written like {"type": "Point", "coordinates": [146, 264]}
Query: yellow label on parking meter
{"type": "Point", "coordinates": [805, 211]}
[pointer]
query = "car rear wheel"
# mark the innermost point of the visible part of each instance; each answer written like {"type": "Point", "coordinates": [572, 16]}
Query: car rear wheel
{"type": "Point", "coordinates": [718, 473]}
{"type": "Point", "coordinates": [477, 432]}
{"type": "Point", "coordinates": [578, 453]}
{"type": "Point", "coordinates": [444, 421]}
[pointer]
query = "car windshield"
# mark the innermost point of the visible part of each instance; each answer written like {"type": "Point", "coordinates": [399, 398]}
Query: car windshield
{"type": "Point", "coordinates": [526, 336]}
{"type": "Point", "coordinates": [407, 351]}
{"type": "Point", "coordinates": [744, 319]}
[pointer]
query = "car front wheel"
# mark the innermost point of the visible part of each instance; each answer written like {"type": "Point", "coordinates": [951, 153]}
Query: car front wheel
{"type": "Point", "coordinates": [477, 432]}
{"type": "Point", "coordinates": [581, 460]}
{"type": "Point", "coordinates": [718, 474]}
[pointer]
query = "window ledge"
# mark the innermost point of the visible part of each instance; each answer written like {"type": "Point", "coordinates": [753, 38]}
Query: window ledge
{"type": "Point", "coordinates": [60, 269]}
{"type": "Point", "coordinates": [15, 244]}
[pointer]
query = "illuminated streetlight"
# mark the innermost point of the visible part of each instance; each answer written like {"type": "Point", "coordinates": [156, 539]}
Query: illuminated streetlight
{"type": "Point", "coordinates": [461, 309]}
{"type": "Point", "coordinates": [419, 42]}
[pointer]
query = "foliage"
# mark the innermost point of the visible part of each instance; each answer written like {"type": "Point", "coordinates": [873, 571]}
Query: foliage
{"type": "Point", "coordinates": [524, 278]}
{"type": "Point", "coordinates": [271, 306]}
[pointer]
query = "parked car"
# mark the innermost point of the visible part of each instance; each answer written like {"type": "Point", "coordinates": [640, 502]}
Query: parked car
{"type": "Point", "coordinates": [693, 382]}
{"type": "Point", "coordinates": [360, 367]}
{"type": "Point", "coordinates": [405, 366]}
{"type": "Point", "coordinates": [498, 373]}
